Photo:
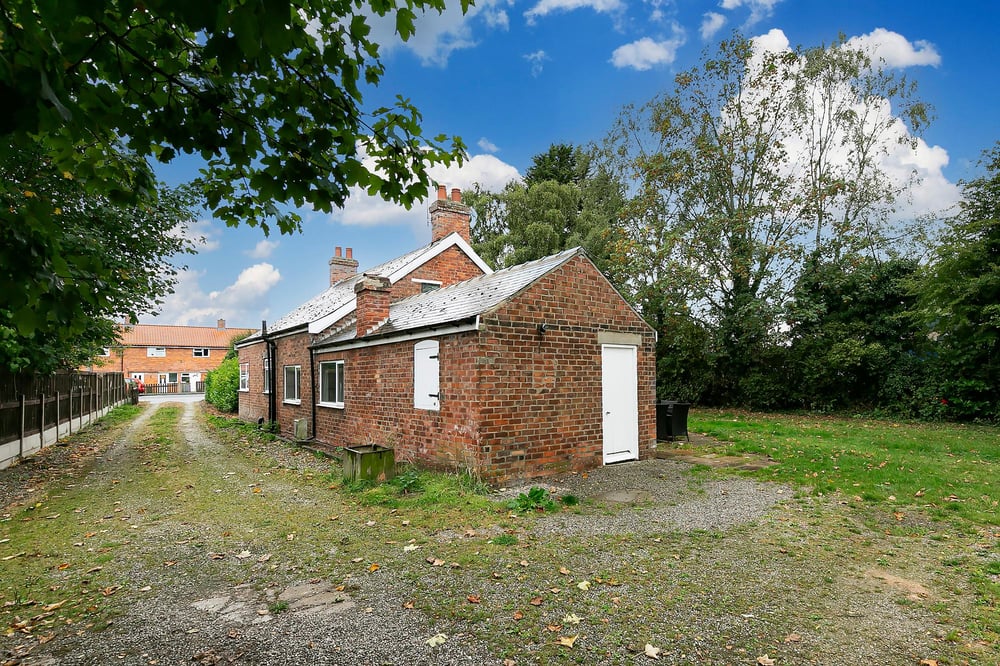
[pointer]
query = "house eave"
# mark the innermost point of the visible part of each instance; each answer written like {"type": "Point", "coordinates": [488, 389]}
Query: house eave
{"type": "Point", "coordinates": [463, 326]}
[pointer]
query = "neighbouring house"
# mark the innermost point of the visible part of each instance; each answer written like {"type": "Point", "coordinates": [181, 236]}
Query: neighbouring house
{"type": "Point", "coordinates": [528, 371]}
{"type": "Point", "coordinates": [169, 359]}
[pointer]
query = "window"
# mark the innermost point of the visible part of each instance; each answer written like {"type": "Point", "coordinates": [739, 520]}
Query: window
{"type": "Point", "coordinates": [105, 351]}
{"type": "Point", "coordinates": [427, 286]}
{"type": "Point", "coordinates": [200, 352]}
{"type": "Point", "coordinates": [138, 376]}
{"type": "Point", "coordinates": [293, 374]}
{"type": "Point", "coordinates": [331, 384]}
{"type": "Point", "coordinates": [156, 352]}
{"type": "Point", "coordinates": [267, 375]}
{"type": "Point", "coordinates": [244, 376]}
{"type": "Point", "coordinates": [426, 375]}
{"type": "Point", "coordinates": [166, 378]}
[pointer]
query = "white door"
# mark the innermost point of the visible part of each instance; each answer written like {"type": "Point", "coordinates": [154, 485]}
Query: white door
{"type": "Point", "coordinates": [620, 400]}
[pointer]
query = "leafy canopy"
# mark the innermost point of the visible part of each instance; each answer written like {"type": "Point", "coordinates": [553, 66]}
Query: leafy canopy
{"type": "Point", "coordinates": [269, 94]}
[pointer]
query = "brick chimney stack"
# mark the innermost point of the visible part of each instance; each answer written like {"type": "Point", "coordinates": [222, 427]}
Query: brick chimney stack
{"type": "Point", "coordinates": [221, 324]}
{"type": "Point", "coordinates": [449, 215]}
{"type": "Point", "coordinates": [373, 292]}
{"type": "Point", "coordinates": [342, 267]}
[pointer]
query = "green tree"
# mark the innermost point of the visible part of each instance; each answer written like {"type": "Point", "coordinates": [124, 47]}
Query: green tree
{"type": "Point", "coordinates": [960, 300]}
{"type": "Point", "coordinates": [72, 263]}
{"type": "Point", "coordinates": [269, 94]}
{"type": "Point", "coordinates": [564, 202]}
{"type": "Point", "coordinates": [723, 214]}
{"type": "Point", "coordinates": [222, 385]}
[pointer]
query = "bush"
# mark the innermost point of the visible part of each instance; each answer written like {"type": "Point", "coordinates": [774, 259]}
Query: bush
{"type": "Point", "coordinates": [222, 386]}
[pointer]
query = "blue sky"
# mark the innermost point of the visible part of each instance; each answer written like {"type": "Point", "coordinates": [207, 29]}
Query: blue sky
{"type": "Point", "coordinates": [513, 77]}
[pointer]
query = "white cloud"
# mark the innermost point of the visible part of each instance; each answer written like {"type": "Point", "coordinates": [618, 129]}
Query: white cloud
{"type": "Point", "coordinates": [487, 146]}
{"type": "Point", "coordinates": [240, 303]}
{"type": "Point", "coordinates": [202, 233]}
{"type": "Point", "coordinates": [486, 170]}
{"type": "Point", "coordinates": [759, 9]}
{"type": "Point", "coordinates": [437, 35]}
{"type": "Point", "coordinates": [546, 7]}
{"type": "Point", "coordinates": [773, 41]}
{"type": "Point", "coordinates": [895, 50]}
{"type": "Point", "coordinates": [647, 53]}
{"type": "Point", "coordinates": [711, 23]}
{"type": "Point", "coordinates": [537, 60]}
{"type": "Point", "coordinates": [263, 249]}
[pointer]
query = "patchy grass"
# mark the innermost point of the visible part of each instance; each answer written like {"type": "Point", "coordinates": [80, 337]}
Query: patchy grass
{"type": "Point", "coordinates": [174, 515]}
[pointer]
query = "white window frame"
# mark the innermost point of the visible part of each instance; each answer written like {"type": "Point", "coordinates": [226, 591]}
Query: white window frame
{"type": "Point", "coordinates": [427, 286]}
{"type": "Point", "coordinates": [244, 377]}
{"type": "Point", "coordinates": [156, 352]}
{"type": "Point", "coordinates": [339, 384]}
{"type": "Point", "coordinates": [138, 376]}
{"type": "Point", "coordinates": [427, 375]}
{"type": "Point", "coordinates": [267, 374]}
{"type": "Point", "coordinates": [201, 352]}
{"type": "Point", "coordinates": [296, 383]}
{"type": "Point", "coordinates": [105, 351]}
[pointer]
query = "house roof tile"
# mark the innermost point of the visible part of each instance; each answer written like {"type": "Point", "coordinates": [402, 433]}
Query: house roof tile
{"type": "Point", "coordinates": [341, 293]}
{"type": "Point", "coordinates": [156, 335]}
{"type": "Point", "coordinates": [460, 301]}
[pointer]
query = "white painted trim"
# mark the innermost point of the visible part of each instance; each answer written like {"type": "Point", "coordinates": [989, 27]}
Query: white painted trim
{"type": "Point", "coordinates": [403, 337]}
{"type": "Point", "coordinates": [420, 281]}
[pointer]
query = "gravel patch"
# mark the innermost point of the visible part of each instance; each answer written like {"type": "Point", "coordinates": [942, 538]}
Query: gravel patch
{"type": "Point", "coordinates": [662, 498]}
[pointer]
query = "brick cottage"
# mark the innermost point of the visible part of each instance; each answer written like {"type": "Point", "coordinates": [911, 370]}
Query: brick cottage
{"type": "Point", "coordinates": [528, 371]}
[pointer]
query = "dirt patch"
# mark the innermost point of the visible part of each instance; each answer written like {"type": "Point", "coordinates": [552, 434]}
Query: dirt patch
{"type": "Point", "coordinates": [913, 590]}
{"type": "Point", "coordinates": [690, 453]}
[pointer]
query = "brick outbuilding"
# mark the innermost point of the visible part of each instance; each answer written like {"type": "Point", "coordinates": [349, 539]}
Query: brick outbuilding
{"type": "Point", "coordinates": [524, 372]}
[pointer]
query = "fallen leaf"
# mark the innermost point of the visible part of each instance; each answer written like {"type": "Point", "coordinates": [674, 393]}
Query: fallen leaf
{"type": "Point", "coordinates": [509, 662]}
{"type": "Point", "coordinates": [290, 537]}
{"type": "Point", "coordinates": [409, 604]}
{"type": "Point", "coordinates": [572, 618]}
{"type": "Point", "coordinates": [764, 660]}
{"type": "Point", "coordinates": [52, 607]}
{"type": "Point", "coordinates": [435, 562]}
{"type": "Point", "coordinates": [564, 571]}
{"type": "Point", "coordinates": [919, 493]}
{"type": "Point", "coordinates": [470, 533]}
{"type": "Point", "coordinates": [217, 556]}
{"type": "Point", "coordinates": [406, 523]}
{"type": "Point", "coordinates": [899, 515]}
{"type": "Point", "coordinates": [409, 548]}
{"type": "Point", "coordinates": [244, 555]}
{"type": "Point", "coordinates": [264, 558]}
{"type": "Point", "coordinates": [370, 523]}
{"type": "Point", "coordinates": [792, 638]}
{"type": "Point", "coordinates": [518, 615]}
{"type": "Point", "coordinates": [63, 566]}
{"type": "Point", "coordinates": [42, 640]}
{"type": "Point", "coordinates": [554, 628]}
{"type": "Point", "coordinates": [474, 599]}
{"type": "Point", "coordinates": [357, 559]}
{"type": "Point", "coordinates": [536, 601]}
{"type": "Point", "coordinates": [374, 567]}
{"type": "Point", "coordinates": [94, 569]}
{"type": "Point", "coordinates": [170, 563]}
{"type": "Point", "coordinates": [523, 563]}
{"type": "Point", "coordinates": [455, 565]}
{"type": "Point", "coordinates": [436, 640]}
{"type": "Point", "coordinates": [108, 591]}
{"type": "Point", "coordinates": [928, 662]}
{"type": "Point", "coordinates": [567, 641]}
{"type": "Point", "coordinates": [555, 590]}
{"type": "Point", "coordinates": [145, 588]}
{"type": "Point", "coordinates": [651, 651]}
{"type": "Point", "coordinates": [584, 585]}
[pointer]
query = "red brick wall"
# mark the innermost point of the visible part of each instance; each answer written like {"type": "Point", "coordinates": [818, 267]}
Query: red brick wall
{"type": "Point", "coordinates": [541, 409]}
{"type": "Point", "coordinates": [289, 350]}
{"type": "Point", "coordinates": [253, 403]}
{"type": "Point", "coordinates": [378, 403]}
{"type": "Point", "coordinates": [449, 267]}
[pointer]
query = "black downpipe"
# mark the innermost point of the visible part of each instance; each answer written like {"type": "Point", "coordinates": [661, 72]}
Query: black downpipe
{"type": "Point", "coordinates": [272, 352]}
{"type": "Point", "coordinates": [312, 390]}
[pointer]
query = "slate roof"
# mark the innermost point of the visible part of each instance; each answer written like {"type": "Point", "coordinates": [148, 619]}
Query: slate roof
{"type": "Point", "coordinates": [338, 294]}
{"type": "Point", "coordinates": [460, 301]}
{"type": "Point", "coordinates": [156, 335]}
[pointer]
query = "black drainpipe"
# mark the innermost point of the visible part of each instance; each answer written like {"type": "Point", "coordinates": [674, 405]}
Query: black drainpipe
{"type": "Point", "coordinates": [272, 404]}
{"type": "Point", "coordinates": [312, 389]}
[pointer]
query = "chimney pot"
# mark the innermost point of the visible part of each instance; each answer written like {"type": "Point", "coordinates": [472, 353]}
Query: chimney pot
{"type": "Point", "coordinates": [350, 253]}
{"type": "Point", "coordinates": [456, 194]}
{"type": "Point", "coordinates": [342, 267]}
{"type": "Point", "coordinates": [449, 215]}
{"type": "Point", "coordinates": [442, 192]}
{"type": "Point", "coordinates": [336, 251]}
{"type": "Point", "coordinates": [221, 324]}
